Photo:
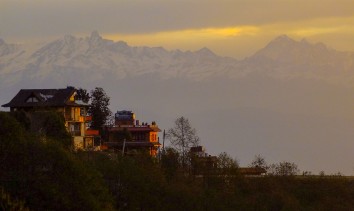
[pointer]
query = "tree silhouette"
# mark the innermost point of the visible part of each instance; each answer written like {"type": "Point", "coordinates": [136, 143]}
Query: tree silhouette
{"type": "Point", "coordinates": [99, 108]}
{"type": "Point", "coordinates": [183, 136]}
{"type": "Point", "coordinates": [259, 162]}
{"type": "Point", "coordinates": [83, 95]}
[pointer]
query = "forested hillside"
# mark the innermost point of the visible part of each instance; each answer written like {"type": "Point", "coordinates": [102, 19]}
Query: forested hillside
{"type": "Point", "coordinates": [39, 171]}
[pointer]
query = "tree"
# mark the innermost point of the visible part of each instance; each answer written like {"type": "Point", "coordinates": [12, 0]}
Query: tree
{"type": "Point", "coordinates": [259, 162]}
{"type": "Point", "coordinates": [169, 162]}
{"type": "Point", "coordinates": [99, 108]}
{"type": "Point", "coordinates": [226, 161]}
{"type": "Point", "coordinates": [183, 136]}
{"type": "Point", "coordinates": [284, 169]}
{"type": "Point", "coordinates": [226, 164]}
{"type": "Point", "coordinates": [29, 168]}
{"type": "Point", "coordinates": [83, 95]}
{"type": "Point", "coordinates": [8, 203]}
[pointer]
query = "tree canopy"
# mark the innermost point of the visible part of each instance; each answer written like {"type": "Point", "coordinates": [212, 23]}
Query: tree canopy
{"type": "Point", "coordinates": [41, 174]}
{"type": "Point", "coordinates": [83, 95]}
{"type": "Point", "coordinates": [99, 108]}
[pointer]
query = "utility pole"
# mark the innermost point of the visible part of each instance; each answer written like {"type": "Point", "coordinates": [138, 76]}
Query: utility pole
{"type": "Point", "coordinates": [123, 147]}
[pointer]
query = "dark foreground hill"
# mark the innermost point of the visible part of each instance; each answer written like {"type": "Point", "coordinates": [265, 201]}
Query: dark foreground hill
{"type": "Point", "coordinates": [38, 172]}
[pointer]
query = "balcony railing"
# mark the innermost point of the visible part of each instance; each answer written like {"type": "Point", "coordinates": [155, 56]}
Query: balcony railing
{"type": "Point", "coordinates": [74, 118]}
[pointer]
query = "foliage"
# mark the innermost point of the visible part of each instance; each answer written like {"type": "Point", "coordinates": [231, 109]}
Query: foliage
{"type": "Point", "coordinates": [54, 128]}
{"type": "Point", "coordinates": [44, 174]}
{"type": "Point", "coordinates": [226, 162]}
{"type": "Point", "coordinates": [99, 108]}
{"type": "Point", "coordinates": [83, 95]}
{"type": "Point", "coordinates": [227, 165]}
{"type": "Point", "coordinates": [259, 162]}
{"type": "Point", "coordinates": [8, 203]}
{"type": "Point", "coordinates": [50, 125]}
{"type": "Point", "coordinates": [22, 118]}
{"type": "Point", "coordinates": [284, 169]}
{"type": "Point", "coordinates": [170, 162]}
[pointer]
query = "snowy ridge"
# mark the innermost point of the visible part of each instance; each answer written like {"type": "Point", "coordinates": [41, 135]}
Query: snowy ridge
{"type": "Point", "coordinates": [94, 58]}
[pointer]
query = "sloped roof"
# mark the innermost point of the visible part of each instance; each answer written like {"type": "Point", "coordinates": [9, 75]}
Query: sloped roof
{"type": "Point", "coordinates": [45, 97]}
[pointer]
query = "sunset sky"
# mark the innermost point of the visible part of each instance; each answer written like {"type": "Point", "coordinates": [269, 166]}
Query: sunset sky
{"type": "Point", "coordinates": [235, 28]}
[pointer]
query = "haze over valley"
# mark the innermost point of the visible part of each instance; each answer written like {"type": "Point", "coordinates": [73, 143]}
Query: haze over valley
{"type": "Point", "coordinates": [290, 101]}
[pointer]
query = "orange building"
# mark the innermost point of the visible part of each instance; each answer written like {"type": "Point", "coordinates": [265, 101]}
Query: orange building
{"type": "Point", "coordinates": [129, 136]}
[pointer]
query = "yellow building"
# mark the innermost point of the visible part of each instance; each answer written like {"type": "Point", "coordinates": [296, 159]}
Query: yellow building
{"type": "Point", "coordinates": [57, 100]}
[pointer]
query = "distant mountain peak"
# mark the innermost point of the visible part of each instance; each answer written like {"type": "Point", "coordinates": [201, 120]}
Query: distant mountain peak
{"type": "Point", "coordinates": [205, 52]}
{"type": "Point", "coordinates": [96, 57]}
{"type": "Point", "coordinates": [95, 37]}
{"type": "Point", "coordinates": [95, 34]}
{"type": "Point", "coordinates": [69, 38]}
{"type": "Point", "coordinates": [283, 37]}
{"type": "Point", "coordinates": [282, 40]}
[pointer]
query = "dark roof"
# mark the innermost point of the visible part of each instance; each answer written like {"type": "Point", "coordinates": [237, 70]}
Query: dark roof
{"type": "Point", "coordinates": [252, 171]}
{"type": "Point", "coordinates": [45, 97]}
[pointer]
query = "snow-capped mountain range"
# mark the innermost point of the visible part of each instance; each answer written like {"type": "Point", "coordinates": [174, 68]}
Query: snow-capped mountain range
{"type": "Point", "coordinates": [94, 58]}
{"type": "Point", "coordinates": [286, 102]}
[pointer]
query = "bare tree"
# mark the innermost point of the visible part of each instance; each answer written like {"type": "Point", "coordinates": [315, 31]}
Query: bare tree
{"type": "Point", "coordinates": [182, 136]}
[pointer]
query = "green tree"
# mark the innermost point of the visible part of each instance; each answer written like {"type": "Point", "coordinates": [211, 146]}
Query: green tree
{"type": "Point", "coordinates": [45, 175]}
{"type": "Point", "coordinates": [8, 203]}
{"type": "Point", "coordinates": [50, 125]}
{"type": "Point", "coordinates": [99, 108]}
{"type": "Point", "coordinates": [170, 162]}
{"type": "Point", "coordinates": [83, 95]}
{"type": "Point", "coordinates": [183, 136]}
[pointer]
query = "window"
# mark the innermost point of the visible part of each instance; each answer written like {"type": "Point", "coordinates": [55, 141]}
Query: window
{"type": "Point", "coordinates": [32, 100]}
{"type": "Point", "coordinates": [82, 111]}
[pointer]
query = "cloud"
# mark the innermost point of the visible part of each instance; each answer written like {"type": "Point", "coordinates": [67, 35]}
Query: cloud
{"type": "Point", "coordinates": [230, 27]}
{"type": "Point", "coordinates": [241, 41]}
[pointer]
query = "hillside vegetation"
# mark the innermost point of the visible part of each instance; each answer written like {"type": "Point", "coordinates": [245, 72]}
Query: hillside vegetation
{"type": "Point", "coordinates": [39, 171]}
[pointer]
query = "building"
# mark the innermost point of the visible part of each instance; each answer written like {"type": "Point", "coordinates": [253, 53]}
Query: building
{"type": "Point", "coordinates": [202, 163]}
{"type": "Point", "coordinates": [57, 100]}
{"type": "Point", "coordinates": [130, 137]}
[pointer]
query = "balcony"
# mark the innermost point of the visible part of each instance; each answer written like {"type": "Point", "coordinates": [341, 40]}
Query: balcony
{"type": "Point", "coordinates": [75, 118]}
{"type": "Point", "coordinates": [92, 133]}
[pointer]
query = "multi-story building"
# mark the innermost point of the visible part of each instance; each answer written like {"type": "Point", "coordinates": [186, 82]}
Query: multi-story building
{"type": "Point", "coordinates": [129, 136]}
{"type": "Point", "coordinates": [57, 100]}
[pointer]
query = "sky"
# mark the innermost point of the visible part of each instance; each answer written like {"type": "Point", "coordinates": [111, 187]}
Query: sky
{"type": "Point", "coordinates": [235, 28]}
